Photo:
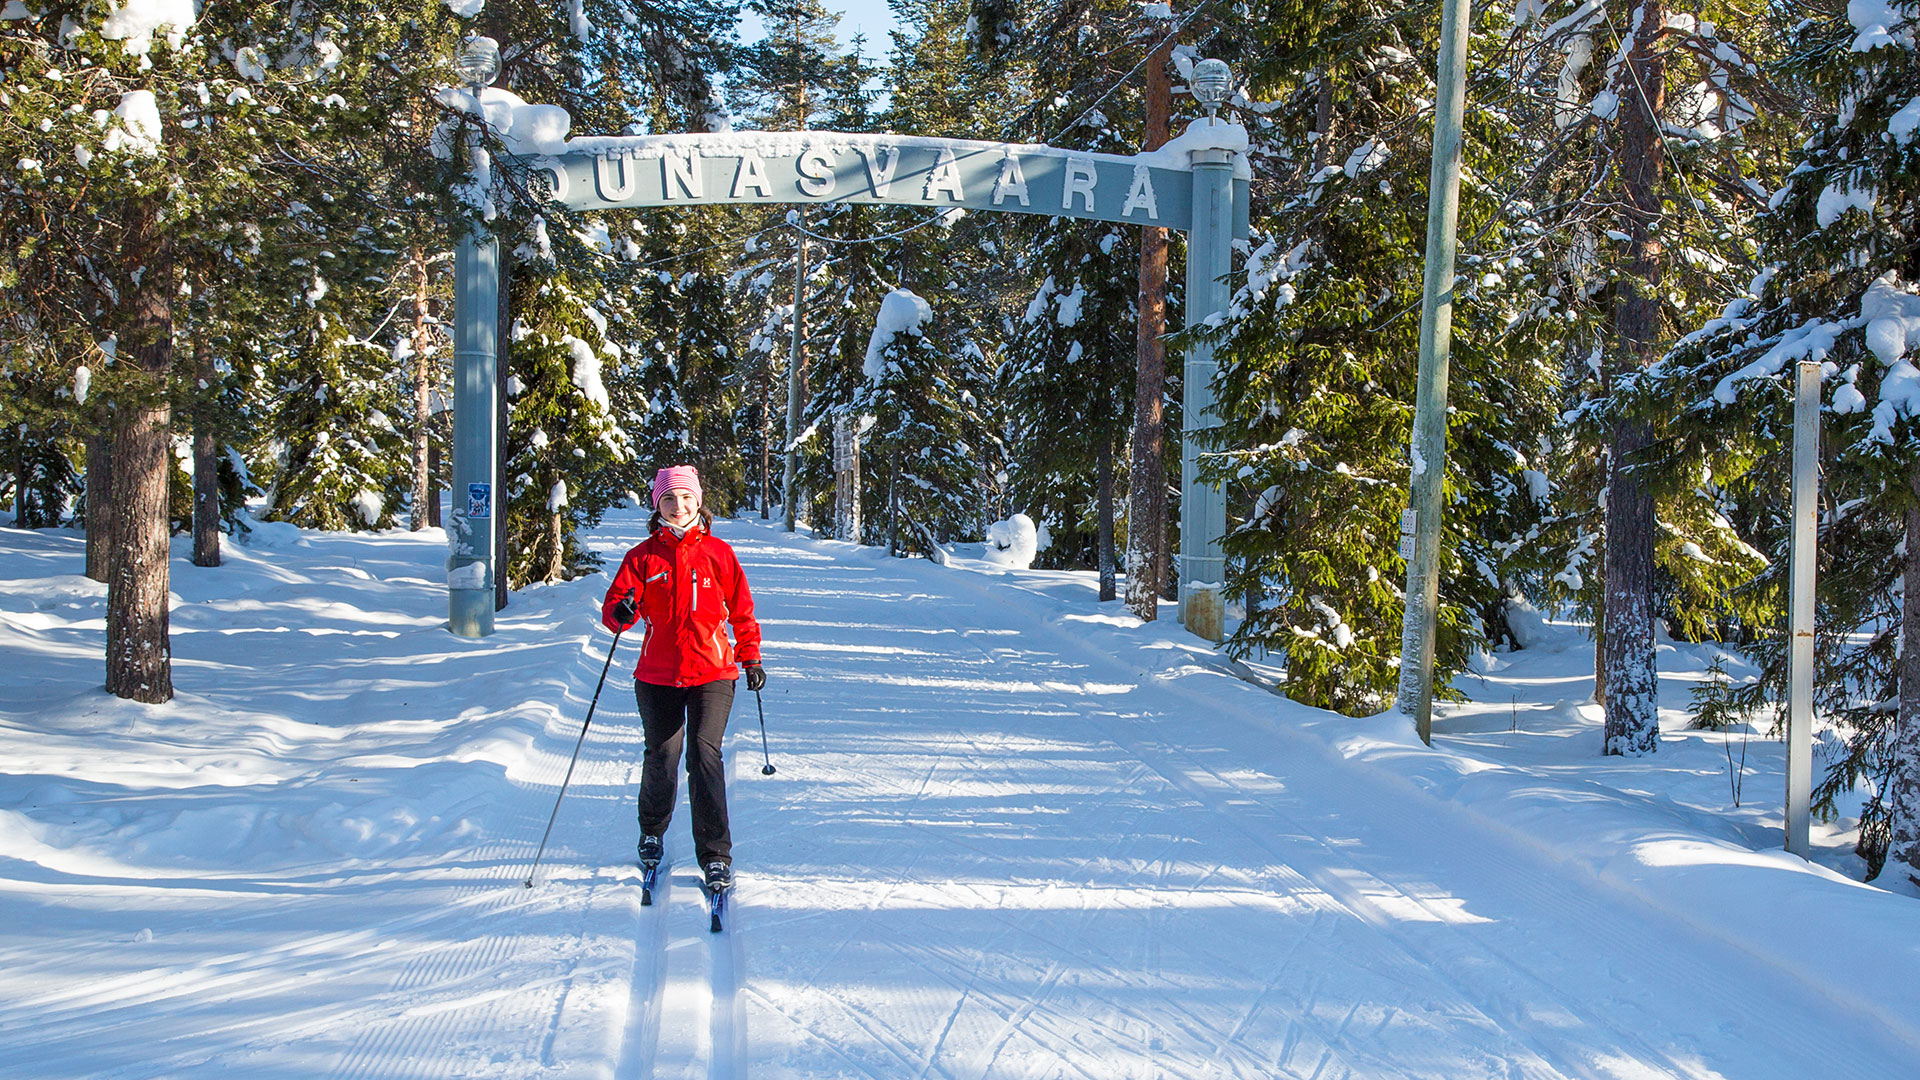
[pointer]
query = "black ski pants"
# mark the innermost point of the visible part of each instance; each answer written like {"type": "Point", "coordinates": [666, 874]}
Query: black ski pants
{"type": "Point", "coordinates": [696, 717]}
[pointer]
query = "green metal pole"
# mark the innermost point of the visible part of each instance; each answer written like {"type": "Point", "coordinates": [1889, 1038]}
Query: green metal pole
{"type": "Point", "coordinates": [475, 502]}
{"type": "Point", "coordinates": [796, 382]}
{"type": "Point", "coordinates": [1203, 506]}
{"type": "Point", "coordinates": [1420, 528]}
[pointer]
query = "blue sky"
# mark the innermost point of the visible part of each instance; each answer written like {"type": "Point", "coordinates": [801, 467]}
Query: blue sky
{"type": "Point", "coordinates": [870, 17]}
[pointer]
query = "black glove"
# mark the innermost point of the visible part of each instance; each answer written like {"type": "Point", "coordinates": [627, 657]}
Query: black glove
{"type": "Point", "coordinates": [624, 613]}
{"type": "Point", "coordinates": [756, 677]}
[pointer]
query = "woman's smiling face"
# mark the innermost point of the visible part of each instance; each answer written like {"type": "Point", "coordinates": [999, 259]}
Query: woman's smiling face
{"type": "Point", "coordinates": [679, 507]}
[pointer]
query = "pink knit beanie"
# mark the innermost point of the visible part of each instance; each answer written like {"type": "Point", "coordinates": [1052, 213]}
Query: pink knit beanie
{"type": "Point", "coordinates": [675, 478]}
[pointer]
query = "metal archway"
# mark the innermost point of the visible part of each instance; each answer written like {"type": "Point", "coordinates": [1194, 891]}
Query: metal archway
{"type": "Point", "coordinates": [1196, 183]}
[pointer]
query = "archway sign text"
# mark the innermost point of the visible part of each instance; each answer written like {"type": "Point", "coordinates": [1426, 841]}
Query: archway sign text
{"type": "Point", "coordinates": [895, 170]}
{"type": "Point", "coordinates": [1196, 184]}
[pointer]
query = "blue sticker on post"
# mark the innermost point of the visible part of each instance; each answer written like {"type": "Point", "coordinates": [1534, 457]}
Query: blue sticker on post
{"type": "Point", "coordinates": [479, 500]}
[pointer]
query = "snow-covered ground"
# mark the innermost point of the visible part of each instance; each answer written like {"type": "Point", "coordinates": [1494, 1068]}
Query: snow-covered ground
{"type": "Point", "coordinates": [1014, 833]}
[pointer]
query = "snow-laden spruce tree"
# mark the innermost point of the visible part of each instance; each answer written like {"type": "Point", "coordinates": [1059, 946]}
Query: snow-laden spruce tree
{"type": "Point", "coordinates": [916, 402]}
{"type": "Point", "coordinates": [1075, 70]}
{"type": "Point", "coordinates": [564, 447]}
{"type": "Point", "coordinates": [1641, 124]}
{"type": "Point", "coordinates": [324, 404]}
{"type": "Point", "coordinates": [1320, 363]}
{"type": "Point", "coordinates": [1067, 381]}
{"type": "Point", "coordinates": [674, 389]}
{"type": "Point", "coordinates": [1841, 287]}
{"type": "Point", "coordinates": [139, 136]}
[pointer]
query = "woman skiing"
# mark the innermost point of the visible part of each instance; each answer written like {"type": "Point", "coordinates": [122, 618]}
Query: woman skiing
{"type": "Point", "coordinates": [684, 583]}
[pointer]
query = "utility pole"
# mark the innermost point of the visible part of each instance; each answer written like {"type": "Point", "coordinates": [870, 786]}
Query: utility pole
{"type": "Point", "coordinates": [1420, 525]}
{"type": "Point", "coordinates": [1800, 608]}
{"type": "Point", "coordinates": [796, 379]}
{"type": "Point", "coordinates": [797, 356]}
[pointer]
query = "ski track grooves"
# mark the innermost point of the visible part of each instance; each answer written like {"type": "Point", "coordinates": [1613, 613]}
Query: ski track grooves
{"type": "Point", "coordinates": [1463, 961]}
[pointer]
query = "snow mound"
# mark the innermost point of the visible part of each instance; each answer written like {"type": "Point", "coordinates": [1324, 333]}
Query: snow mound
{"type": "Point", "coordinates": [1530, 627]}
{"type": "Point", "coordinates": [268, 535]}
{"type": "Point", "coordinates": [1013, 542]}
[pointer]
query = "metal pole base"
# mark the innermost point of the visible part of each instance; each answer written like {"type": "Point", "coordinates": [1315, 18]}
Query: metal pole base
{"type": "Point", "coordinates": [1204, 611]}
{"type": "Point", "coordinates": [470, 612]}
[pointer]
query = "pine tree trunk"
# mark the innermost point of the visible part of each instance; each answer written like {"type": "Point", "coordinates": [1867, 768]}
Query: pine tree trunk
{"type": "Point", "coordinates": [766, 446]}
{"type": "Point", "coordinates": [1104, 466]}
{"type": "Point", "coordinates": [425, 495]}
{"type": "Point", "coordinates": [206, 459]}
{"type": "Point", "coordinates": [790, 496]}
{"type": "Point", "coordinates": [1600, 655]}
{"type": "Point", "coordinates": [139, 658]}
{"type": "Point", "coordinates": [1904, 786]}
{"type": "Point", "coordinates": [22, 480]}
{"type": "Point", "coordinates": [436, 469]}
{"type": "Point", "coordinates": [557, 544]}
{"type": "Point", "coordinates": [1632, 705]}
{"type": "Point", "coordinates": [1147, 482]}
{"type": "Point", "coordinates": [99, 496]}
{"type": "Point", "coordinates": [1323, 122]}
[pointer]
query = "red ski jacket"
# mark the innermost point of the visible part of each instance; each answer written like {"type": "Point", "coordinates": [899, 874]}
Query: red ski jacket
{"type": "Point", "coordinates": [685, 588]}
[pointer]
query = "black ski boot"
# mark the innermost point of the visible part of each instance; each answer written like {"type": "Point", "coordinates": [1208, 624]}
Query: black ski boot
{"type": "Point", "coordinates": [650, 851]}
{"type": "Point", "coordinates": [719, 882]}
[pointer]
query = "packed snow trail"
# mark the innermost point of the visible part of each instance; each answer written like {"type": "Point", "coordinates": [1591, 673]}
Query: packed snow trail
{"type": "Point", "coordinates": [998, 851]}
{"type": "Point", "coordinates": [1013, 833]}
{"type": "Point", "coordinates": [308, 864]}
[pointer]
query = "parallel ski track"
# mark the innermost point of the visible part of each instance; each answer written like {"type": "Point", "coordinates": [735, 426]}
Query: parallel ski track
{"type": "Point", "coordinates": [1537, 1028]}
{"type": "Point", "coordinates": [1338, 873]}
{"type": "Point", "coordinates": [686, 979]}
{"type": "Point", "coordinates": [640, 1040]}
{"type": "Point", "coordinates": [1354, 1058]}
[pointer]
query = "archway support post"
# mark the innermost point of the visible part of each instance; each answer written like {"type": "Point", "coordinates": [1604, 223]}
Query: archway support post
{"type": "Point", "coordinates": [475, 510]}
{"type": "Point", "coordinates": [1203, 506]}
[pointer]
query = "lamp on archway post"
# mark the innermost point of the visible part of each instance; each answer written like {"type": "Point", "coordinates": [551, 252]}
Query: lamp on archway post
{"type": "Point", "coordinates": [470, 533]}
{"type": "Point", "coordinates": [1420, 524]}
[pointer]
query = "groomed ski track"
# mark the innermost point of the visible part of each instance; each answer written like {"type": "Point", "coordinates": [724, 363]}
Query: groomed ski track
{"type": "Point", "coordinates": [994, 850]}
{"type": "Point", "coordinates": [1009, 837]}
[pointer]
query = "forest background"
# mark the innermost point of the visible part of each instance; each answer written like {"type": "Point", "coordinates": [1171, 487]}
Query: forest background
{"type": "Point", "coordinates": [225, 294]}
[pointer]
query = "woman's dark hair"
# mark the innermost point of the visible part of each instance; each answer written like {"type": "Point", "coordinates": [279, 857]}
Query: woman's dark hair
{"type": "Point", "coordinates": [655, 524]}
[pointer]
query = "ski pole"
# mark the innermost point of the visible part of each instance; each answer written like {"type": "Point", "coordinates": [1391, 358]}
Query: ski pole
{"type": "Point", "coordinates": [767, 769]}
{"type": "Point", "coordinates": [578, 743]}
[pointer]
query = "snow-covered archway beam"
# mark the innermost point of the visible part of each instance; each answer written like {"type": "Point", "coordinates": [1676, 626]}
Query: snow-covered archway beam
{"type": "Point", "coordinates": [897, 170]}
{"type": "Point", "coordinates": [1196, 184]}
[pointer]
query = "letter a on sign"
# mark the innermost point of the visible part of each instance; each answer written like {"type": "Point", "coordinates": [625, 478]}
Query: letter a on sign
{"type": "Point", "coordinates": [1012, 182]}
{"type": "Point", "coordinates": [752, 175]}
{"type": "Point", "coordinates": [945, 178]}
{"type": "Point", "coordinates": [1140, 196]}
